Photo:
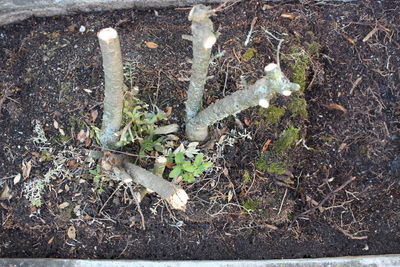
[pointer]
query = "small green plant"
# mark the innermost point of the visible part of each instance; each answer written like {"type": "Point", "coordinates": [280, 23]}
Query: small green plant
{"type": "Point", "coordinates": [96, 174]}
{"type": "Point", "coordinates": [250, 205]}
{"type": "Point", "coordinates": [287, 139]}
{"type": "Point", "coordinates": [140, 124]}
{"type": "Point", "coordinates": [188, 169]}
{"type": "Point", "coordinates": [98, 178]}
{"type": "Point", "coordinates": [272, 114]}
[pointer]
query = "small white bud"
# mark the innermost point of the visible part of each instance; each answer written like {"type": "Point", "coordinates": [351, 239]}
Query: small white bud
{"type": "Point", "coordinates": [270, 67]}
{"type": "Point", "coordinates": [263, 103]}
{"type": "Point", "coordinates": [209, 42]}
{"type": "Point", "coordinates": [286, 92]}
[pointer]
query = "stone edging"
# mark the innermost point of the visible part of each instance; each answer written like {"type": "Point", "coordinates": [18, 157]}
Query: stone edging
{"type": "Point", "coordinates": [16, 10]}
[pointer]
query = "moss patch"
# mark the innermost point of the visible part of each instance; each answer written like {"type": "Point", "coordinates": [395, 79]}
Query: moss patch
{"type": "Point", "coordinates": [272, 114]}
{"type": "Point", "coordinates": [249, 54]}
{"type": "Point", "coordinates": [298, 107]}
{"type": "Point", "coordinates": [287, 139]}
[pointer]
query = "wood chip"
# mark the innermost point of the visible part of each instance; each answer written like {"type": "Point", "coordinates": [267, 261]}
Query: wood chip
{"type": "Point", "coordinates": [265, 146]}
{"type": "Point", "coordinates": [336, 107]}
{"type": "Point", "coordinates": [342, 147]}
{"type": "Point", "coordinates": [355, 84]}
{"type": "Point", "coordinates": [287, 16]}
{"type": "Point", "coordinates": [71, 232]}
{"type": "Point", "coordinates": [151, 45]}
{"type": "Point", "coordinates": [370, 34]}
{"type": "Point", "coordinates": [349, 39]}
{"type": "Point", "coordinates": [63, 205]}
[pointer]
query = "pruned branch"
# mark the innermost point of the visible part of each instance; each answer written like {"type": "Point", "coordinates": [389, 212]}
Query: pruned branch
{"type": "Point", "coordinates": [203, 38]}
{"type": "Point", "coordinates": [114, 86]}
{"type": "Point", "coordinates": [260, 93]}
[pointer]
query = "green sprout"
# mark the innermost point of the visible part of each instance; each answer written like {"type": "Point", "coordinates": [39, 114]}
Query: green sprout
{"type": "Point", "coordinates": [187, 169]}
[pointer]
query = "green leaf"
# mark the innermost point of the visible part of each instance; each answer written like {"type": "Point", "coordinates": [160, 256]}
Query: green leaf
{"type": "Point", "coordinates": [94, 172]}
{"type": "Point", "coordinates": [189, 168]}
{"type": "Point", "coordinates": [159, 147]}
{"type": "Point", "coordinates": [179, 157]}
{"type": "Point", "coordinates": [188, 177]}
{"type": "Point", "coordinates": [199, 159]}
{"type": "Point", "coordinates": [176, 171]}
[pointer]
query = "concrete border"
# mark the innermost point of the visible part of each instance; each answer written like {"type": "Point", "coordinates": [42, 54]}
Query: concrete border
{"type": "Point", "coordinates": [361, 261]}
{"type": "Point", "coordinates": [16, 10]}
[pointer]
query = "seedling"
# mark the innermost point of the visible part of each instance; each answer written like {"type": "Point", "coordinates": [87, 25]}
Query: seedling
{"type": "Point", "coordinates": [187, 169]}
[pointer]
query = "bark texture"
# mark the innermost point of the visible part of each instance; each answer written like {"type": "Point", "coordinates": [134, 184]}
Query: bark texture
{"type": "Point", "coordinates": [203, 38]}
{"type": "Point", "coordinates": [114, 86]}
{"type": "Point", "coordinates": [262, 91]}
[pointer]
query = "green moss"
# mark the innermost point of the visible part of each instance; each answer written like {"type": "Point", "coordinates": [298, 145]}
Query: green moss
{"type": "Point", "coordinates": [249, 54]}
{"type": "Point", "coordinates": [298, 107]}
{"type": "Point", "coordinates": [272, 163]}
{"type": "Point", "coordinates": [299, 67]}
{"type": "Point", "coordinates": [363, 150]}
{"type": "Point", "coordinates": [272, 114]}
{"type": "Point", "coordinates": [287, 139]}
{"type": "Point", "coordinates": [250, 205]}
{"type": "Point", "coordinates": [277, 167]}
{"type": "Point", "coordinates": [246, 176]}
{"type": "Point", "coordinates": [313, 48]}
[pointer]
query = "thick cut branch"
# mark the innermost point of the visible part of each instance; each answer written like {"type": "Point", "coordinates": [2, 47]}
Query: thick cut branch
{"type": "Point", "coordinates": [259, 93]}
{"type": "Point", "coordinates": [127, 172]}
{"type": "Point", "coordinates": [114, 86]}
{"type": "Point", "coordinates": [203, 38]}
{"type": "Point", "coordinates": [173, 194]}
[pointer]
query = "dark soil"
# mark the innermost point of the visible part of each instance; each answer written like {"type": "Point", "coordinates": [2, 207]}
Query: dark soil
{"type": "Point", "coordinates": [50, 71]}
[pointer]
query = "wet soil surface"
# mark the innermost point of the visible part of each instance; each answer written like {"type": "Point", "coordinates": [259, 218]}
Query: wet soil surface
{"type": "Point", "coordinates": [340, 195]}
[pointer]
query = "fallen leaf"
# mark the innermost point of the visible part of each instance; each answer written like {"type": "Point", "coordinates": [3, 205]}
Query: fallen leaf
{"type": "Point", "coordinates": [63, 205]}
{"type": "Point", "coordinates": [226, 172]}
{"type": "Point", "coordinates": [151, 44]}
{"type": "Point", "coordinates": [17, 178]}
{"type": "Point", "coordinates": [287, 16]}
{"type": "Point", "coordinates": [56, 125]}
{"type": "Point", "coordinates": [342, 147]}
{"type": "Point", "coordinates": [265, 146]}
{"type": "Point", "coordinates": [35, 154]}
{"type": "Point", "coordinates": [6, 194]}
{"type": "Point", "coordinates": [169, 165]}
{"type": "Point", "coordinates": [247, 121]}
{"type": "Point", "coordinates": [71, 232]}
{"type": "Point", "coordinates": [337, 107]}
{"type": "Point", "coordinates": [168, 111]}
{"type": "Point", "coordinates": [230, 196]}
{"type": "Point", "coordinates": [93, 114]}
{"type": "Point", "coordinates": [88, 141]}
{"type": "Point", "coordinates": [73, 164]}
{"type": "Point", "coordinates": [81, 136]}
{"type": "Point", "coordinates": [26, 169]}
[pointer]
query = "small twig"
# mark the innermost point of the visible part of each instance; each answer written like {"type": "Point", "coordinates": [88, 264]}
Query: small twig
{"type": "Point", "coordinates": [115, 191]}
{"type": "Point", "coordinates": [225, 5]}
{"type": "Point", "coordinates": [137, 202]}
{"type": "Point", "coordinates": [346, 233]}
{"type": "Point", "coordinates": [283, 200]}
{"type": "Point", "coordinates": [253, 22]}
{"type": "Point", "coordinates": [326, 198]}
